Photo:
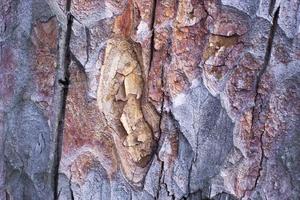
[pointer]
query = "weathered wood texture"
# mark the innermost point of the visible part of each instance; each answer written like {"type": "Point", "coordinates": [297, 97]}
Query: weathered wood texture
{"type": "Point", "coordinates": [149, 99]}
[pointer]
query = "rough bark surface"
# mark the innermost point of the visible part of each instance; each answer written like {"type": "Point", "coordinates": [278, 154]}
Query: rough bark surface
{"type": "Point", "coordinates": [149, 99]}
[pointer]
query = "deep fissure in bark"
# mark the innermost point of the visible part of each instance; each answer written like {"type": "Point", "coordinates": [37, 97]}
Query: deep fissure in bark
{"type": "Point", "coordinates": [257, 95]}
{"type": "Point", "coordinates": [268, 49]}
{"type": "Point", "coordinates": [88, 39]}
{"type": "Point", "coordinates": [153, 34]}
{"type": "Point", "coordinates": [151, 62]}
{"type": "Point", "coordinates": [160, 178]}
{"type": "Point", "coordinates": [271, 7]}
{"type": "Point", "coordinates": [70, 187]}
{"type": "Point", "coordinates": [63, 84]}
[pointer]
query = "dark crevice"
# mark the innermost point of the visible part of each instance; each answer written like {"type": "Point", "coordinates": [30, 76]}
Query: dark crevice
{"type": "Point", "coordinates": [70, 187]}
{"type": "Point", "coordinates": [68, 5]}
{"type": "Point", "coordinates": [268, 49]}
{"type": "Point", "coordinates": [88, 39]}
{"type": "Point", "coordinates": [160, 179]}
{"type": "Point", "coordinates": [173, 197]}
{"type": "Point", "coordinates": [72, 194]}
{"type": "Point", "coordinates": [152, 43]}
{"type": "Point", "coordinates": [271, 7]}
{"type": "Point", "coordinates": [64, 82]}
{"type": "Point", "coordinates": [189, 176]}
{"type": "Point", "coordinates": [258, 98]}
{"type": "Point", "coordinates": [62, 86]}
{"type": "Point", "coordinates": [160, 182]}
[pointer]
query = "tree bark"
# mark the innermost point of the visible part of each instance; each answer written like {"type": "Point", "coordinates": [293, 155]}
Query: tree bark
{"type": "Point", "coordinates": [149, 99]}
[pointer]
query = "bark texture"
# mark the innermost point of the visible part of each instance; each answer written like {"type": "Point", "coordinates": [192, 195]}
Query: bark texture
{"type": "Point", "coordinates": [149, 99]}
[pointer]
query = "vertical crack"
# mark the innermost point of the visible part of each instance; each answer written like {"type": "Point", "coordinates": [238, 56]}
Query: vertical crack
{"type": "Point", "coordinates": [68, 5]}
{"type": "Point", "coordinates": [268, 50]}
{"type": "Point", "coordinates": [152, 43]}
{"type": "Point", "coordinates": [61, 87]}
{"type": "Point", "coordinates": [88, 44]}
{"type": "Point", "coordinates": [160, 178]}
{"type": "Point", "coordinates": [258, 96]}
{"type": "Point", "coordinates": [271, 7]}
{"type": "Point", "coordinates": [70, 187]}
{"type": "Point", "coordinates": [152, 49]}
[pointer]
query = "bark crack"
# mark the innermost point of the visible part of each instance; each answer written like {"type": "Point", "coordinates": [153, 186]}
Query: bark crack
{"type": "Point", "coordinates": [160, 178]}
{"type": "Point", "coordinates": [152, 43]}
{"type": "Point", "coordinates": [152, 49]}
{"type": "Point", "coordinates": [70, 187]}
{"type": "Point", "coordinates": [62, 85]}
{"type": "Point", "coordinates": [258, 95]}
{"type": "Point", "coordinates": [271, 7]}
{"type": "Point", "coordinates": [88, 44]}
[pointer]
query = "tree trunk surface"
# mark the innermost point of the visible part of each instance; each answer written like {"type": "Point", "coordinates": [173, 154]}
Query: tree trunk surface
{"type": "Point", "coordinates": [149, 99]}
